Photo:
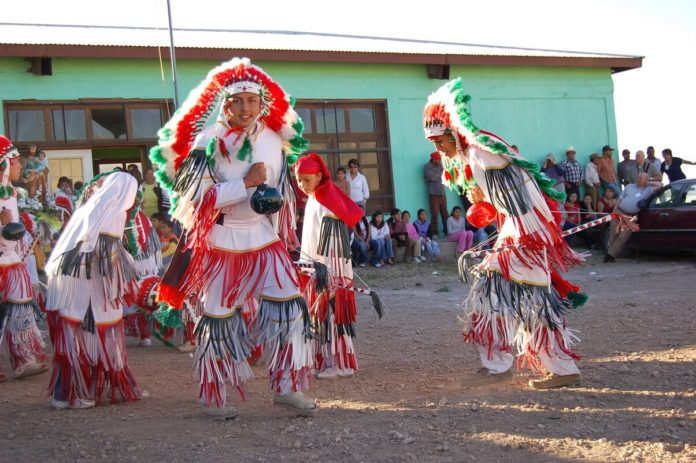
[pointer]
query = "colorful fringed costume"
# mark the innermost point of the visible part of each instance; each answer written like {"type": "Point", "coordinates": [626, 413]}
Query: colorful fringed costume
{"type": "Point", "coordinates": [328, 216]}
{"type": "Point", "coordinates": [91, 278]}
{"type": "Point", "coordinates": [517, 299]}
{"type": "Point", "coordinates": [231, 256]}
{"type": "Point", "coordinates": [18, 330]}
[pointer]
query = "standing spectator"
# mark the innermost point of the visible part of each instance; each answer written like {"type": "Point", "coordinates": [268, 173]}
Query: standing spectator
{"type": "Point", "coordinates": [400, 238]}
{"type": "Point", "coordinates": [361, 242]}
{"type": "Point", "coordinates": [554, 171]}
{"type": "Point", "coordinates": [607, 202]}
{"type": "Point", "coordinates": [627, 169]}
{"type": "Point", "coordinates": [422, 226]}
{"type": "Point", "coordinates": [380, 241]}
{"type": "Point", "coordinates": [436, 193]}
{"type": "Point", "coordinates": [651, 157]}
{"type": "Point", "coordinates": [150, 204]}
{"type": "Point", "coordinates": [456, 226]}
{"type": "Point", "coordinates": [592, 182]}
{"type": "Point", "coordinates": [672, 166]}
{"type": "Point", "coordinates": [620, 231]}
{"type": "Point", "coordinates": [341, 181]}
{"type": "Point", "coordinates": [607, 171]}
{"type": "Point", "coordinates": [359, 191]}
{"type": "Point", "coordinates": [643, 165]}
{"type": "Point", "coordinates": [572, 171]}
{"type": "Point", "coordinates": [135, 172]}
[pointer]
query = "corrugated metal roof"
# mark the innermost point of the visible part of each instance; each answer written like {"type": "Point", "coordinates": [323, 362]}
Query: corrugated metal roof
{"type": "Point", "coordinates": [106, 36]}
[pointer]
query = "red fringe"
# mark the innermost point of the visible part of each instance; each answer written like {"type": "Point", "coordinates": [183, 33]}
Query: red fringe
{"type": "Point", "coordinates": [238, 268]}
{"type": "Point", "coordinates": [481, 333]}
{"type": "Point", "coordinates": [171, 296]}
{"type": "Point", "coordinates": [13, 276]}
{"type": "Point", "coordinates": [345, 311]}
{"type": "Point", "coordinates": [299, 378]}
{"type": "Point", "coordinates": [531, 357]}
{"type": "Point", "coordinates": [143, 294]}
{"type": "Point", "coordinates": [564, 287]}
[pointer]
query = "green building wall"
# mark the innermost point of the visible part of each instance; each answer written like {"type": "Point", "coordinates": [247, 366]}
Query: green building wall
{"type": "Point", "coordinates": [541, 110]}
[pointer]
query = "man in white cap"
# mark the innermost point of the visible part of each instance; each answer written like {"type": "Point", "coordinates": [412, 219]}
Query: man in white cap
{"type": "Point", "coordinates": [572, 172]}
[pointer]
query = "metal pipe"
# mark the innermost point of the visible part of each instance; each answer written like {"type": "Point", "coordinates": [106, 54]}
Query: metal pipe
{"type": "Point", "coordinates": [172, 56]}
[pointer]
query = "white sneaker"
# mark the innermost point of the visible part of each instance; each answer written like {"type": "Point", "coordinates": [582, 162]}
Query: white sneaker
{"type": "Point", "coordinates": [147, 342]}
{"type": "Point", "coordinates": [361, 265]}
{"type": "Point", "coordinates": [378, 265]}
{"type": "Point", "coordinates": [79, 404]}
{"type": "Point", "coordinates": [226, 412]}
{"type": "Point", "coordinates": [329, 373]}
{"type": "Point", "coordinates": [422, 259]}
{"type": "Point", "coordinates": [295, 400]}
{"type": "Point", "coordinates": [345, 372]}
{"type": "Point", "coordinates": [188, 346]}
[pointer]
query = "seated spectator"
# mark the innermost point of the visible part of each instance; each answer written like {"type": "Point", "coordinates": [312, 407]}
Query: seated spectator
{"type": "Point", "coordinates": [481, 234]}
{"type": "Point", "coordinates": [399, 235]}
{"type": "Point", "coordinates": [606, 203]}
{"type": "Point", "coordinates": [413, 237]}
{"type": "Point", "coordinates": [361, 242]}
{"type": "Point", "coordinates": [588, 214]}
{"type": "Point", "coordinates": [380, 241]}
{"type": "Point", "coordinates": [456, 230]}
{"type": "Point", "coordinates": [341, 181]}
{"type": "Point", "coordinates": [430, 248]}
{"type": "Point", "coordinates": [572, 208]}
{"type": "Point", "coordinates": [627, 207]}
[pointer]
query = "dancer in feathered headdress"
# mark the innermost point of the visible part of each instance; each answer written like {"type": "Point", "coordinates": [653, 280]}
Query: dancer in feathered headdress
{"type": "Point", "coordinates": [518, 297]}
{"type": "Point", "coordinates": [235, 132]}
{"type": "Point", "coordinates": [17, 323]}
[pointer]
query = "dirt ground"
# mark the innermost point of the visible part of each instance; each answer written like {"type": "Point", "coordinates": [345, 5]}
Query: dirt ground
{"type": "Point", "coordinates": [637, 401]}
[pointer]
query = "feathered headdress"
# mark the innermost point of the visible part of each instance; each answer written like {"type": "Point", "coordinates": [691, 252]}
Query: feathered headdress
{"type": "Point", "coordinates": [202, 108]}
{"type": "Point", "coordinates": [447, 112]}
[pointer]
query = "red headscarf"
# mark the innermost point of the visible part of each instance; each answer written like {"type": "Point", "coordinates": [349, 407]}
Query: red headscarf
{"type": "Point", "coordinates": [328, 194]}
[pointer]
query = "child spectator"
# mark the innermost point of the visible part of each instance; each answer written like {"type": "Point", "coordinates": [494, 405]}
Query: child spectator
{"type": "Point", "coordinates": [456, 230]}
{"type": "Point", "coordinates": [422, 226]}
{"type": "Point", "coordinates": [168, 239]}
{"type": "Point", "coordinates": [380, 241]}
{"type": "Point", "coordinates": [572, 209]}
{"type": "Point", "coordinates": [397, 230]}
{"type": "Point", "coordinates": [413, 236]}
{"type": "Point", "coordinates": [361, 242]}
{"type": "Point", "coordinates": [341, 181]}
{"type": "Point", "coordinates": [588, 214]}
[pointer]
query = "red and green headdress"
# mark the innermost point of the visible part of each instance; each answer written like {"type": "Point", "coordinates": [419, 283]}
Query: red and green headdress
{"type": "Point", "coordinates": [447, 112]}
{"type": "Point", "coordinates": [202, 108]}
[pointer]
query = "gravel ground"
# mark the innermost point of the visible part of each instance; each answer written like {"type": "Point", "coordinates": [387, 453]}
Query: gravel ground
{"type": "Point", "coordinates": [637, 401]}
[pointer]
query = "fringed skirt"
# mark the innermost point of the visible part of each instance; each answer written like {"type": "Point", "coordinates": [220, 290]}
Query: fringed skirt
{"type": "Point", "coordinates": [24, 342]}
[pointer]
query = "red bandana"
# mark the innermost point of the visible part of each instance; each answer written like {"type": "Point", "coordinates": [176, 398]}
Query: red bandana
{"type": "Point", "coordinates": [328, 194]}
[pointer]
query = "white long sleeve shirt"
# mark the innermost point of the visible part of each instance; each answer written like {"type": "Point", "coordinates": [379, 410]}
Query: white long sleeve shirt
{"type": "Point", "coordinates": [591, 175]}
{"type": "Point", "coordinates": [359, 191]}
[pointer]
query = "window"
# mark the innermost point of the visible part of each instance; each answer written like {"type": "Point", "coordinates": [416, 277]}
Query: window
{"type": "Point", "coordinates": [82, 122]}
{"type": "Point", "coordinates": [345, 130]}
{"type": "Point", "coordinates": [68, 167]}
{"type": "Point", "coordinates": [27, 125]}
{"type": "Point", "coordinates": [664, 199]}
{"type": "Point", "coordinates": [109, 124]}
{"type": "Point", "coordinates": [689, 195]}
{"type": "Point", "coordinates": [69, 124]}
{"type": "Point", "coordinates": [145, 122]}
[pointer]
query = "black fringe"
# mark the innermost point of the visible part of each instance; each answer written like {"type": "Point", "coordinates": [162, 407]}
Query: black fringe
{"type": "Point", "coordinates": [334, 229]}
{"type": "Point", "coordinates": [72, 260]}
{"type": "Point", "coordinates": [153, 245]}
{"type": "Point", "coordinates": [224, 335]}
{"type": "Point", "coordinates": [378, 304]}
{"type": "Point", "coordinates": [284, 308]}
{"type": "Point", "coordinates": [506, 187]}
{"type": "Point", "coordinates": [7, 308]}
{"type": "Point", "coordinates": [191, 172]}
{"type": "Point", "coordinates": [88, 323]}
{"type": "Point", "coordinates": [323, 330]}
{"type": "Point", "coordinates": [520, 298]}
{"type": "Point", "coordinates": [321, 276]}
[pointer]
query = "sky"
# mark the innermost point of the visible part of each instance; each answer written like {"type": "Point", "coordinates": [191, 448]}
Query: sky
{"type": "Point", "coordinates": [653, 104]}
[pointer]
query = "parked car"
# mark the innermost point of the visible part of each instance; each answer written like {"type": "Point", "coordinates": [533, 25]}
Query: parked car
{"type": "Point", "coordinates": [668, 219]}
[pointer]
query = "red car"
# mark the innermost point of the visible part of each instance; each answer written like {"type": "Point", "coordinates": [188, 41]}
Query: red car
{"type": "Point", "coordinates": [668, 219]}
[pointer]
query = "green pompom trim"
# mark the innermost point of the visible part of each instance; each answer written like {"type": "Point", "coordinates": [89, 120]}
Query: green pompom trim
{"type": "Point", "coordinates": [167, 317]}
{"type": "Point", "coordinates": [577, 299]}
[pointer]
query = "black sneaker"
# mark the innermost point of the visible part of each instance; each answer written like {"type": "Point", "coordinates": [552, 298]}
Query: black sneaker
{"type": "Point", "coordinates": [608, 258]}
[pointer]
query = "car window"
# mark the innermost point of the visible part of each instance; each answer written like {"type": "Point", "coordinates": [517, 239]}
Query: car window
{"type": "Point", "coordinates": [663, 199]}
{"type": "Point", "coordinates": [689, 196]}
